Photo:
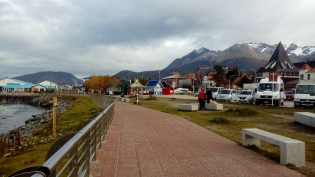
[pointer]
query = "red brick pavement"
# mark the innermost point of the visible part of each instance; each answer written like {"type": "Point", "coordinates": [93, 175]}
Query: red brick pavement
{"type": "Point", "coordinates": [144, 142]}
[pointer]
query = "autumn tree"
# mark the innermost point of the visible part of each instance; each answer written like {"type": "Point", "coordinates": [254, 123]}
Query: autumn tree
{"type": "Point", "coordinates": [219, 75]}
{"type": "Point", "coordinates": [114, 81]}
{"type": "Point", "coordinates": [243, 79]}
{"type": "Point", "coordinates": [143, 80]}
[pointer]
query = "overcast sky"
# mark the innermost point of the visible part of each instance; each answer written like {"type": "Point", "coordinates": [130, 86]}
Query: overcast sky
{"type": "Point", "coordinates": [85, 37]}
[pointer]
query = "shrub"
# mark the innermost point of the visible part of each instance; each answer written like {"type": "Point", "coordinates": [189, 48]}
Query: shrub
{"type": "Point", "coordinates": [220, 120]}
{"type": "Point", "coordinates": [242, 112]}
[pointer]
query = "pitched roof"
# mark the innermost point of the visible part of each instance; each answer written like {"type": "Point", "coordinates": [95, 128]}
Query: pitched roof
{"type": "Point", "coordinates": [279, 60]}
{"type": "Point", "coordinates": [305, 67]}
{"type": "Point", "coordinates": [153, 83]}
{"type": "Point", "coordinates": [312, 70]}
{"type": "Point", "coordinates": [136, 84]}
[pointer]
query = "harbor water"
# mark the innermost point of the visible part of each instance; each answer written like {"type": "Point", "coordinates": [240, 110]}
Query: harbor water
{"type": "Point", "coordinates": [15, 115]}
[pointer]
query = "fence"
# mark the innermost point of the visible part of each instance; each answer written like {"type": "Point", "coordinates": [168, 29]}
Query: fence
{"type": "Point", "coordinates": [71, 155]}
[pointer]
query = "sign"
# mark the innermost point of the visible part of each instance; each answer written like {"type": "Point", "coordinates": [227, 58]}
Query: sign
{"type": "Point", "coordinates": [273, 77]}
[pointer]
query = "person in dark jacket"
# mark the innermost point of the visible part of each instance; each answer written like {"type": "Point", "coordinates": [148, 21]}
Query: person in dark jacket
{"type": "Point", "coordinates": [201, 99]}
{"type": "Point", "coordinates": [208, 95]}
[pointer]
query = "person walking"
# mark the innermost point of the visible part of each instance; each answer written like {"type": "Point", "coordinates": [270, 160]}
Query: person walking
{"type": "Point", "coordinates": [201, 99]}
{"type": "Point", "coordinates": [208, 95]}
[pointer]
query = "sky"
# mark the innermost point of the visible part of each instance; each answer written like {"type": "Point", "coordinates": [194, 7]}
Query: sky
{"type": "Point", "coordinates": [105, 37]}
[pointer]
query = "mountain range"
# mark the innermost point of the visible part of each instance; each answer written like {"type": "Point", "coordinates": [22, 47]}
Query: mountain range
{"type": "Point", "coordinates": [56, 77]}
{"type": "Point", "coordinates": [246, 56]}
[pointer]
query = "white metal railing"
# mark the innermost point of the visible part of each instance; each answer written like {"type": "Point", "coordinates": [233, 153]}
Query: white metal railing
{"type": "Point", "coordinates": [71, 155]}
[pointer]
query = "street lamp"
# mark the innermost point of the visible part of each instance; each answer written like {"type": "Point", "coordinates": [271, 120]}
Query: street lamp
{"type": "Point", "coordinates": [230, 80]}
{"type": "Point", "coordinates": [193, 80]}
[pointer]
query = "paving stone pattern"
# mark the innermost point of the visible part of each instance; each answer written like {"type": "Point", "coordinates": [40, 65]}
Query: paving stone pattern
{"type": "Point", "coordinates": [144, 142]}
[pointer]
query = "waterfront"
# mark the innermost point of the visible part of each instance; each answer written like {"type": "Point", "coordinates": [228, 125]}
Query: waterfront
{"type": "Point", "coordinates": [15, 115]}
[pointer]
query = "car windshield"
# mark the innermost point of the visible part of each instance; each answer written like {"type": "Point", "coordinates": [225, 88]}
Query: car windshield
{"type": "Point", "coordinates": [225, 92]}
{"type": "Point", "coordinates": [214, 89]}
{"type": "Point", "coordinates": [246, 92]}
{"type": "Point", "coordinates": [268, 87]}
{"type": "Point", "coordinates": [289, 92]}
{"type": "Point", "coordinates": [305, 89]}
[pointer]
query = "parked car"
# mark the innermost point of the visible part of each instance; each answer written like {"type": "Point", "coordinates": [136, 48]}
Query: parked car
{"type": "Point", "coordinates": [289, 95]}
{"type": "Point", "coordinates": [245, 96]}
{"type": "Point", "coordinates": [182, 91]}
{"type": "Point", "coordinates": [226, 95]}
{"type": "Point", "coordinates": [215, 91]}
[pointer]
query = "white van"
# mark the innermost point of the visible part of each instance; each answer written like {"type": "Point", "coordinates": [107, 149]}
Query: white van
{"type": "Point", "coordinates": [270, 92]}
{"type": "Point", "coordinates": [304, 95]}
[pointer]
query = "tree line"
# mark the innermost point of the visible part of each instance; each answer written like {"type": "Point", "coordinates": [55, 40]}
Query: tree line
{"type": "Point", "coordinates": [101, 83]}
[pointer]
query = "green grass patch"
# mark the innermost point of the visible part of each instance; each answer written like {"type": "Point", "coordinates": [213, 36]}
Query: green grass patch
{"type": "Point", "coordinates": [82, 109]}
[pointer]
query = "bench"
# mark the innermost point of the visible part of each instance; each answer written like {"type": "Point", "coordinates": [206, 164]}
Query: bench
{"type": "Point", "coordinates": [291, 150]}
{"type": "Point", "coordinates": [188, 107]}
{"type": "Point", "coordinates": [125, 99]}
{"type": "Point", "coordinates": [211, 106]}
{"type": "Point", "coordinates": [305, 118]}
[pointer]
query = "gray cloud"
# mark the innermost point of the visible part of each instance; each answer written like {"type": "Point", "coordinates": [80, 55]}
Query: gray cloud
{"type": "Point", "coordinates": [100, 37]}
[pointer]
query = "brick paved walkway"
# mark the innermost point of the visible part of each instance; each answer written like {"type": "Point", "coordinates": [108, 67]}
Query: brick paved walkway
{"type": "Point", "coordinates": [144, 142]}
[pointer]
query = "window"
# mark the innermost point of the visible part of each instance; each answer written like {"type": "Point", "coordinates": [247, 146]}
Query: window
{"type": "Point", "coordinates": [308, 76]}
{"type": "Point", "coordinates": [301, 77]}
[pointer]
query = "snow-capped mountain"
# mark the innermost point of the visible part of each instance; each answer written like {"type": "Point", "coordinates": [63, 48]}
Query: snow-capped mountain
{"type": "Point", "coordinates": [246, 55]}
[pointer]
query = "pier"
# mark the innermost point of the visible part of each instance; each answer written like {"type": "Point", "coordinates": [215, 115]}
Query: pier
{"type": "Point", "coordinates": [17, 98]}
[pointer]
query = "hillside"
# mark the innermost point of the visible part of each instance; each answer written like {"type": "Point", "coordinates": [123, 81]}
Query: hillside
{"type": "Point", "coordinates": [56, 77]}
{"type": "Point", "coordinates": [246, 56]}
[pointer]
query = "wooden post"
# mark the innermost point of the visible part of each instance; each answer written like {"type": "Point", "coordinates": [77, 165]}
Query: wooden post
{"type": "Point", "coordinates": [54, 116]}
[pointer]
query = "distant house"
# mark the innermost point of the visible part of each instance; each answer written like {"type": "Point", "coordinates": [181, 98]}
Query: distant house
{"type": "Point", "coordinates": [50, 85]}
{"type": "Point", "coordinates": [14, 85]}
{"type": "Point", "coordinates": [155, 86]}
{"type": "Point", "coordinates": [307, 75]}
{"type": "Point", "coordinates": [173, 79]}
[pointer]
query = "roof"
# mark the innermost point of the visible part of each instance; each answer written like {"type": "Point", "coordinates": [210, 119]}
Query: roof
{"type": "Point", "coordinates": [173, 77]}
{"type": "Point", "coordinates": [279, 60]}
{"type": "Point", "coordinates": [17, 86]}
{"type": "Point", "coordinates": [136, 84]}
{"type": "Point", "coordinates": [305, 66]}
{"type": "Point", "coordinates": [263, 69]}
{"type": "Point", "coordinates": [312, 70]}
{"type": "Point", "coordinates": [153, 83]}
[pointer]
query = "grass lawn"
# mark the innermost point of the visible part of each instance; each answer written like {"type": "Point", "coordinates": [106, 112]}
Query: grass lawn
{"type": "Point", "coordinates": [230, 122]}
{"type": "Point", "coordinates": [82, 108]}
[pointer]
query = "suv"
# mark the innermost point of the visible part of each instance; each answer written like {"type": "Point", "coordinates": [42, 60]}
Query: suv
{"type": "Point", "coordinates": [226, 95]}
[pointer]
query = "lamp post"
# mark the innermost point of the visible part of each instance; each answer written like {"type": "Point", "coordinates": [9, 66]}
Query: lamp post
{"type": "Point", "coordinates": [230, 81]}
{"type": "Point", "coordinates": [193, 87]}
{"type": "Point", "coordinates": [159, 75]}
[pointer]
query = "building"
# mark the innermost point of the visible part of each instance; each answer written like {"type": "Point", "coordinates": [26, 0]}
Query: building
{"type": "Point", "coordinates": [154, 86]}
{"type": "Point", "coordinates": [14, 85]}
{"type": "Point", "coordinates": [279, 64]}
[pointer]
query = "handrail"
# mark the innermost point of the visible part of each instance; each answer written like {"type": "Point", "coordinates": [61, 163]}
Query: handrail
{"type": "Point", "coordinates": [77, 153]}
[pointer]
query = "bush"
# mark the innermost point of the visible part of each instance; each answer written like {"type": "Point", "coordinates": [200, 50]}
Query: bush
{"type": "Point", "coordinates": [242, 112]}
{"type": "Point", "coordinates": [220, 120]}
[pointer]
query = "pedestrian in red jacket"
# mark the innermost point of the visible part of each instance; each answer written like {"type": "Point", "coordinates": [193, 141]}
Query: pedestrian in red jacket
{"type": "Point", "coordinates": [201, 99]}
